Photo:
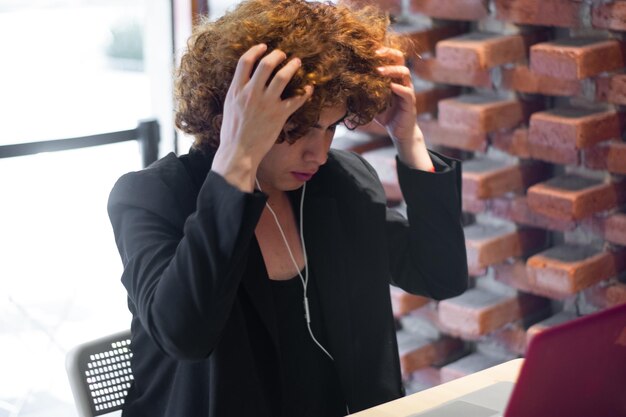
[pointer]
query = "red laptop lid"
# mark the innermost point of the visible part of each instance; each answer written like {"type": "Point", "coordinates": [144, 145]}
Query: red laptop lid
{"type": "Point", "coordinates": [577, 369]}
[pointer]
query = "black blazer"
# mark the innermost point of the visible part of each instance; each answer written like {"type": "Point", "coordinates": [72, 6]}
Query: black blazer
{"type": "Point", "coordinates": [203, 328]}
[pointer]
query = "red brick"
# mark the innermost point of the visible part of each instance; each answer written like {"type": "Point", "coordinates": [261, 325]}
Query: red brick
{"type": "Point", "coordinates": [487, 178]}
{"type": "Point", "coordinates": [569, 269]}
{"type": "Point", "coordinates": [431, 70]}
{"type": "Point", "coordinates": [572, 197]}
{"type": "Point", "coordinates": [423, 321]}
{"type": "Point", "coordinates": [474, 205]}
{"type": "Point", "coordinates": [480, 50]}
{"type": "Point", "coordinates": [559, 318]}
{"type": "Point", "coordinates": [614, 294]}
{"type": "Point", "coordinates": [606, 295]}
{"type": "Point", "coordinates": [611, 227]}
{"type": "Point", "coordinates": [424, 37]}
{"type": "Point", "coordinates": [384, 162]}
{"type": "Point", "coordinates": [403, 303]}
{"type": "Point", "coordinates": [520, 78]}
{"type": "Point", "coordinates": [609, 155]}
{"type": "Point", "coordinates": [513, 142]}
{"type": "Point", "coordinates": [515, 208]}
{"type": "Point", "coordinates": [480, 113]}
{"type": "Point", "coordinates": [417, 352]}
{"type": "Point", "coordinates": [451, 9]}
{"type": "Point", "coordinates": [573, 127]}
{"type": "Point", "coordinates": [468, 365]}
{"type": "Point", "coordinates": [557, 135]}
{"type": "Point", "coordinates": [426, 321]}
{"type": "Point", "coordinates": [514, 274]}
{"type": "Point", "coordinates": [511, 338]}
{"type": "Point", "coordinates": [464, 139]}
{"type": "Point", "coordinates": [562, 13]}
{"type": "Point", "coordinates": [576, 58]}
{"type": "Point", "coordinates": [477, 312]}
{"type": "Point", "coordinates": [609, 15]}
{"type": "Point", "coordinates": [611, 88]}
{"type": "Point", "coordinates": [394, 7]}
{"type": "Point", "coordinates": [557, 153]}
{"type": "Point", "coordinates": [427, 98]}
{"type": "Point", "coordinates": [489, 244]}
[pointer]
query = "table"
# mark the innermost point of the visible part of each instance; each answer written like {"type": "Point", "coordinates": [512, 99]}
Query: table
{"type": "Point", "coordinates": [440, 394]}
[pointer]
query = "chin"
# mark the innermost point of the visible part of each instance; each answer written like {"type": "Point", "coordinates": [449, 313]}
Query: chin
{"type": "Point", "coordinates": [293, 187]}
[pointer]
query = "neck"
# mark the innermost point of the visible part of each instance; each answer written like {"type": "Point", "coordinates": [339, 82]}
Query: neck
{"type": "Point", "coordinates": [276, 198]}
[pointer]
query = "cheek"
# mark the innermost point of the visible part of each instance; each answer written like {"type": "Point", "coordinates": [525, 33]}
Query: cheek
{"type": "Point", "coordinates": [265, 167]}
{"type": "Point", "coordinates": [328, 140]}
{"type": "Point", "coordinates": [273, 161]}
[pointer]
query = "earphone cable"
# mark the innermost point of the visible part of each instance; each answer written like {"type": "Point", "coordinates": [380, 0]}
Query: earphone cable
{"type": "Point", "coordinates": [305, 279]}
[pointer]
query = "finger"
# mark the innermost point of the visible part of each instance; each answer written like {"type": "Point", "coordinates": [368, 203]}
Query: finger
{"type": "Point", "coordinates": [294, 103]}
{"type": "Point", "coordinates": [394, 56]}
{"type": "Point", "coordinates": [397, 72]}
{"type": "Point", "coordinates": [246, 63]}
{"type": "Point", "coordinates": [283, 76]}
{"type": "Point", "coordinates": [266, 66]}
{"type": "Point", "coordinates": [405, 93]}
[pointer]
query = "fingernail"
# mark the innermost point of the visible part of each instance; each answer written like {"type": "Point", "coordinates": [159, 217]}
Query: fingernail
{"type": "Point", "coordinates": [381, 69]}
{"type": "Point", "coordinates": [297, 61]}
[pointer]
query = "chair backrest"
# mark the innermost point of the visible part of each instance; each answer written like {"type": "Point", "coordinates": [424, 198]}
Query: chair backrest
{"type": "Point", "coordinates": [100, 374]}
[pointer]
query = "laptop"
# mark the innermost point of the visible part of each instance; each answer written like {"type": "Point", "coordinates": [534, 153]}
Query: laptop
{"type": "Point", "coordinates": [576, 369]}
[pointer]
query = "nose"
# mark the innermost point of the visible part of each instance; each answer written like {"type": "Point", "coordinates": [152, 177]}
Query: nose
{"type": "Point", "coordinates": [317, 147]}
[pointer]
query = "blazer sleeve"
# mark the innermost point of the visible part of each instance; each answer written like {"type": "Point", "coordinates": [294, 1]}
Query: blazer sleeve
{"type": "Point", "coordinates": [427, 251]}
{"type": "Point", "coordinates": [182, 283]}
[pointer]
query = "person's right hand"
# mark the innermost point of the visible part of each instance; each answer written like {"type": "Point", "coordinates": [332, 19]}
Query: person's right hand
{"type": "Point", "coordinates": [254, 114]}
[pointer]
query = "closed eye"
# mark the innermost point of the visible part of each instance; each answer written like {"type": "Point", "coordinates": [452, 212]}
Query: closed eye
{"type": "Point", "coordinates": [330, 128]}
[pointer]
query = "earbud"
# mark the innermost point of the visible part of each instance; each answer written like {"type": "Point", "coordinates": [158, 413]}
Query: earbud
{"type": "Point", "coordinates": [307, 315]}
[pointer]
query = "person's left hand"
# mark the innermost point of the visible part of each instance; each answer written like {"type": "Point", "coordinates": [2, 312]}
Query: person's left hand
{"type": "Point", "coordinates": [400, 118]}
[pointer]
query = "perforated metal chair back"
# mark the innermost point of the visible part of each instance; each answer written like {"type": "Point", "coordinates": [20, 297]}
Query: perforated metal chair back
{"type": "Point", "coordinates": [100, 374]}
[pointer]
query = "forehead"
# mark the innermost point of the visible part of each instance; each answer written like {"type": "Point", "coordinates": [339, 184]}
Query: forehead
{"type": "Point", "coordinates": [330, 115]}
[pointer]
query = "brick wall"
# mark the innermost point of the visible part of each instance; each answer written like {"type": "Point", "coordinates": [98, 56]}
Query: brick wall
{"type": "Point", "coordinates": [529, 94]}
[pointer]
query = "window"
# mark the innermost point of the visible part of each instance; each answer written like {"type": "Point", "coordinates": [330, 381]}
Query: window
{"type": "Point", "coordinates": [70, 68]}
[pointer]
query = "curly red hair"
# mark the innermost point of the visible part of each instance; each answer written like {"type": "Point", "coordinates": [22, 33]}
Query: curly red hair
{"type": "Point", "coordinates": [336, 44]}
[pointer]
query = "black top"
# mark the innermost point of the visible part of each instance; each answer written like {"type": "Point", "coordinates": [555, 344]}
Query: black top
{"type": "Point", "coordinates": [311, 384]}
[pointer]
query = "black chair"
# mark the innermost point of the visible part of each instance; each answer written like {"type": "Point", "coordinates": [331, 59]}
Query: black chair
{"type": "Point", "coordinates": [100, 375]}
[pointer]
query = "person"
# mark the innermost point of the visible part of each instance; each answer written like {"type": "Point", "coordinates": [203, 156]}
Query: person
{"type": "Point", "coordinates": [258, 265]}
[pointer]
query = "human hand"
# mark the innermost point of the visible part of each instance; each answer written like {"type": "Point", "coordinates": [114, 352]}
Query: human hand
{"type": "Point", "coordinates": [400, 118]}
{"type": "Point", "coordinates": [254, 113]}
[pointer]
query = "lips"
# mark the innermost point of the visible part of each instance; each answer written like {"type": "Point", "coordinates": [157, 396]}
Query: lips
{"type": "Point", "coordinates": [303, 176]}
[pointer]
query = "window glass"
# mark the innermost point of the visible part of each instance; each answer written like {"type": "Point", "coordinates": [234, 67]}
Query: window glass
{"type": "Point", "coordinates": [218, 7]}
{"type": "Point", "coordinates": [69, 68]}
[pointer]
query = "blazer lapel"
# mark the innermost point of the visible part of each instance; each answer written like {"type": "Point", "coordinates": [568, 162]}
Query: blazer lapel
{"type": "Point", "coordinates": [324, 242]}
{"type": "Point", "coordinates": [258, 289]}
